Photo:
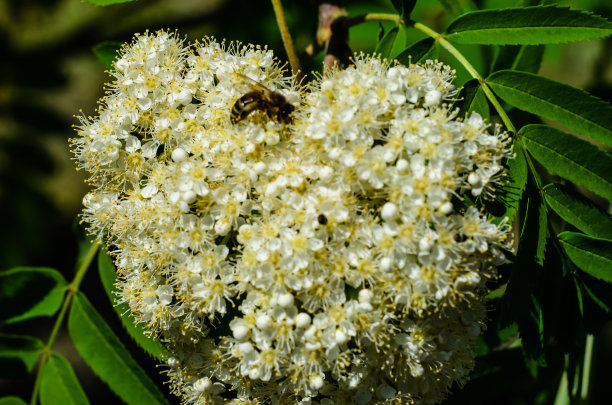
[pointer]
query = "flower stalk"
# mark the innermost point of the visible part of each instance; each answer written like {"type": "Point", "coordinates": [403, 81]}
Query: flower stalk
{"type": "Point", "coordinates": [287, 41]}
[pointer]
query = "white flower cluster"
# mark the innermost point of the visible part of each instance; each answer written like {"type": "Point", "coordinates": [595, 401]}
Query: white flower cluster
{"type": "Point", "coordinates": [325, 259]}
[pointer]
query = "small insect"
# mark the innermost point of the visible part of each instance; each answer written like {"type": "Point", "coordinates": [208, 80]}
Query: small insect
{"type": "Point", "coordinates": [322, 219]}
{"type": "Point", "coordinates": [261, 98]}
{"type": "Point", "coordinates": [460, 237]}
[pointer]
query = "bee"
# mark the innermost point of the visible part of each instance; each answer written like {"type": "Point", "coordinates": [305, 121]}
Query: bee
{"type": "Point", "coordinates": [261, 98]}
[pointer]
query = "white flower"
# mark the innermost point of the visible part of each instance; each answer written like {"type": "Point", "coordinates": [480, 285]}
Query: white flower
{"type": "Point", "coordinates": [280, 261]}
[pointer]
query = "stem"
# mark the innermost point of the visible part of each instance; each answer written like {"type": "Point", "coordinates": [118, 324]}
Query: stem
{"type": "Point", "coordinates": [286, 36]}
{"type": "Point", "coordinates": [586, 369]}
{"type": "Point", "coordinates": [562, 398]}
{"type": "Point", "coordinates": [396, 18]}
{"type": "Point", "coordinates": [73, 287]}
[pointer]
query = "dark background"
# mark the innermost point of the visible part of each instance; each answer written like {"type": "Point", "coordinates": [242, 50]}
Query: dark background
{"type": "Point", "coordinates": [48, 73]}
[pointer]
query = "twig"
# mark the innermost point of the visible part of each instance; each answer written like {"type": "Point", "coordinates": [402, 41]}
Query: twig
{"type": "Point", "coordinates": [287, 41]}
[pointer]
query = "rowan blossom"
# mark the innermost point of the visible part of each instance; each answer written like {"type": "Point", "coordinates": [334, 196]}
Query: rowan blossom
{"type": "Point", "coordinates": [328, 259]}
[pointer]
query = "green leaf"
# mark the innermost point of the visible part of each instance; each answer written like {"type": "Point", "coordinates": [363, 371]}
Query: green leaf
{"type": "Point", "coordinates": [508, 195]}
{"type": "Point", "coordinates": [525, 58]}
{"type": "Point", "coordinates": [381, 31]}
{"type": "Point", "coordinates": [522, 301]}
{"type": "Point", "coordinates": [511, 192]}
{"type": "Point", "coordinates": [527, 26]}
{"type": "Point", "coordinates": [387, 43]}
{"type": "Point", "coordinates": [138, 332]}
{"type": "Point", "coordinates": [579, 211]}
{"type": "Point", "coordinates": [472, 98]}
{"type": "Point", "coordinates": [569, 106]}
{"type": "Point", "coordinates": [59, 384]}
{"type": "Point", "coordinates": [496, 372]}
{"type": "Point", "coordinates": [107, 357]}
{"type": "Point", "coordinates": [18, 355]}
{"type": "Point", "coordinates": [579, 296]}
{"type": "Point", "coordinates": [29, 292]}
{"type": "Point", "coordinates": [591, 255]}
{"type": "Point", "coordinates": [598, 291]}
{"type": "Point", "coordinates": [529, 58]}
{"type": "Point", "coordinates": [527, 267]}
{"type": "Point", "coordinates": [107, 52]}
{"type": "Point", "coordinates": [107, 2]}
{"type": "Point", "coordinates": [567, 156]}
{"type": "Point", "coordinates": [404, 7]}
{"type": "Point", "coordinates": [531, 331]}
{"type": "Point", "coordinates": [419, 52]}
{"type": "Point", "coordinates": [12, 401]}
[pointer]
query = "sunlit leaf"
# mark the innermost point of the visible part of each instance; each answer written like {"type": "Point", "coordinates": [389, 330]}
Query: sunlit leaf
{"type": "Point", "coordinates": [528, 26]}
{"type": "Point", "coordinates": [59, 384]}
{"type": "Point", "coordinates": [569, 106]}
{"type": "Point", "coordinates": [591, 255]}
{"type": "Point", "coordinates": [108, 276]}
{"type": "Point", "coordinates": [29, 292]}
{"type": "Point", "coordinates": [579, 211]}
{"type": "Point", "coordinates": [570, 157]}
{"type": "Point", "coordinates": [18, 355]}
{"type": "Point", "coordinates": [419, 52]}
{"type": "Point", "coordinates": [107, 357]}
